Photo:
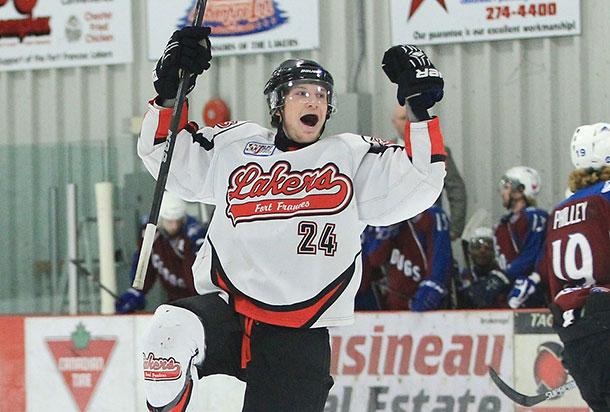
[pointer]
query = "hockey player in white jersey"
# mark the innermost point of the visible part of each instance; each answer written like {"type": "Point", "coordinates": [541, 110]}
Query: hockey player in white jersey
{"type": "Point", "coordinates": [281, 260]}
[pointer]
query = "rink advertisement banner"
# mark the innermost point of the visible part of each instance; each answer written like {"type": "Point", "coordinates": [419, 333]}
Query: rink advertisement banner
{"type": "Point", "coordinates": [453, 21]}
{"type": "Point", "coordinates": [421, 362]}
{"type": "Point", "coordinates": [238, 26]}
{"type": "Point", "coordinates": [538, 366]}
{"type": "Point", "coordinates": [81, 363]}
{"type": "Point", "coordinates": [384, 362]}
{"type": "Point", "coordinates": [59, 33]}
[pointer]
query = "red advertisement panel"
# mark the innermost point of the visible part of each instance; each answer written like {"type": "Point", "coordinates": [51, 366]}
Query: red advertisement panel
{"type": "Point", "coordinates": [12, 361]}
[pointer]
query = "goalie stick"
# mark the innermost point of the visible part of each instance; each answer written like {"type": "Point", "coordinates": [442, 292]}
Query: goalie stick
{"type": "Point", "coordinates": [526, 400]}
{"type": "Point", "coordinates": [151, 226]}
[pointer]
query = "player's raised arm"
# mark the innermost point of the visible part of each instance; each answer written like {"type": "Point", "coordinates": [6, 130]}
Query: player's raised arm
{"type": "Point", "coordinates": [408, 179]}
{"type": "Point", "coordinates": [188, 50]}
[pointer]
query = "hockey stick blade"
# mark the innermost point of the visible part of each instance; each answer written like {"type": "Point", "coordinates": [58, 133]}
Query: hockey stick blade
{"type": "Point", "coordinates": [525, 400]}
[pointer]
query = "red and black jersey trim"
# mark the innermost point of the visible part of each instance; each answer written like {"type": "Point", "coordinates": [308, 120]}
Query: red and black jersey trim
{"type": "Point", "coordinates": [437, 158]}
{"type": "Point", "coordinates": [165, 117]}
{"type": "Point", "coordinates": [209, 144]}
{"type": "Point", "coordinates": [436, 141]}
{"type": "Point", "coordinates": [226, 129]}
{"type": "Point", "coordinates": [297, 315]}
{"type": "Point", "coordinates": [380, 149]}
{"type": "Point", "coordinates": [202, 141]}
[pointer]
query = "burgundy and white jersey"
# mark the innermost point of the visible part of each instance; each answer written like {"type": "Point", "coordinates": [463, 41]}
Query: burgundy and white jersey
{"type": "Point", "coordinates": [171, 260]}
{"type": "Point", "coordinates": [577, 247]}
{"type": "Point", "coordinates": [284, 240]}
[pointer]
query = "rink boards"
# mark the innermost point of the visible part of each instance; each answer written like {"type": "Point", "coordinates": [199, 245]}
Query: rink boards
{"type": "Point", "coordinates": [385, 361]}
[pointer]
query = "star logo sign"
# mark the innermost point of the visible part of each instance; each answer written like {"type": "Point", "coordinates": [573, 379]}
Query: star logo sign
{"type": "Point", "coordinates": [416, 3]}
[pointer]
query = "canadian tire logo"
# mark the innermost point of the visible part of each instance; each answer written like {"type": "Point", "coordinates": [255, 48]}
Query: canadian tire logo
{"type": "Point", "coordinates": [548, 369]}
{"type": "Point", "coordinates": [81, 360]}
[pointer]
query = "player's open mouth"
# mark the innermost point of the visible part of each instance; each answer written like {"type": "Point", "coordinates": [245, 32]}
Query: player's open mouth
{"type": "Point", "coordinates": [310, 119]}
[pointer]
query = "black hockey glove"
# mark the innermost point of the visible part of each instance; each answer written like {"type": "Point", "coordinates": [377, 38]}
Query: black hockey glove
{"type": "Point", "coordinates": [485, 290]}
{"type": "Point", "coordinates": [188, 49]}
{"type": "Point", "coordinates": [419, 82]}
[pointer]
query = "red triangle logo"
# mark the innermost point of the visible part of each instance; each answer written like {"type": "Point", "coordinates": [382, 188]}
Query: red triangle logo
{"type": "Point", "coordinates": [81, 364]}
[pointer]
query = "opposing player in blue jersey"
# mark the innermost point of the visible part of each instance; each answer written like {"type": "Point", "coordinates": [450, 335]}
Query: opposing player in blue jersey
{"type": "Point", "coordinates": [473, 284]}
{"type": "Point", "coordinates": [518, 239]}
{"type": "Point", "coordinates": [415, 258]}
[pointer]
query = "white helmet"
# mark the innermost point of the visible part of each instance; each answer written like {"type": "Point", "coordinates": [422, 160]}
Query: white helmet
{"type": "Point", "coordinates": [591, 146]}
{"type": "Point", "coordinates": [172, 207]}
{"type": "Point", "coordinates": [481, 233]}
{"type": "Point", "coordinates": [523, 176]}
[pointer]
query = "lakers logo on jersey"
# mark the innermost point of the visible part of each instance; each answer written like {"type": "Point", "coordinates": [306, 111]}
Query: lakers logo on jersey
{"type": "Point", "coordinates": [280, 193]}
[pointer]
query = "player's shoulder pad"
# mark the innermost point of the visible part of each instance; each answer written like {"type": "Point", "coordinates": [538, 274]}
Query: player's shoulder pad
{"type": "Point", "coordinates": [436, 210]}
{"type": "Point", "coordinates": [432, 215]}
{"type": "Point", "coordinates": [600, 188]}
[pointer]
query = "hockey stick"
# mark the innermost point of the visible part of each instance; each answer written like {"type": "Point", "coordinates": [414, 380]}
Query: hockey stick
{"type": "Point", "coordinates": [93, 279]}
{"type": "Point", "coordinates": [526, 400]}
{"type": "Point", "coordinates": [151, 226]}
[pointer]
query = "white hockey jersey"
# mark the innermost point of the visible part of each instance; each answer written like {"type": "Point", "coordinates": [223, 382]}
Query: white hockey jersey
{"type": "Point", "coordinates": [284, 240]}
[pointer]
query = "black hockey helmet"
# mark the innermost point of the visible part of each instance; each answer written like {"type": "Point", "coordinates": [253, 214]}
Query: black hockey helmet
{"type": "Point", "coordinates": [295, 71]}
